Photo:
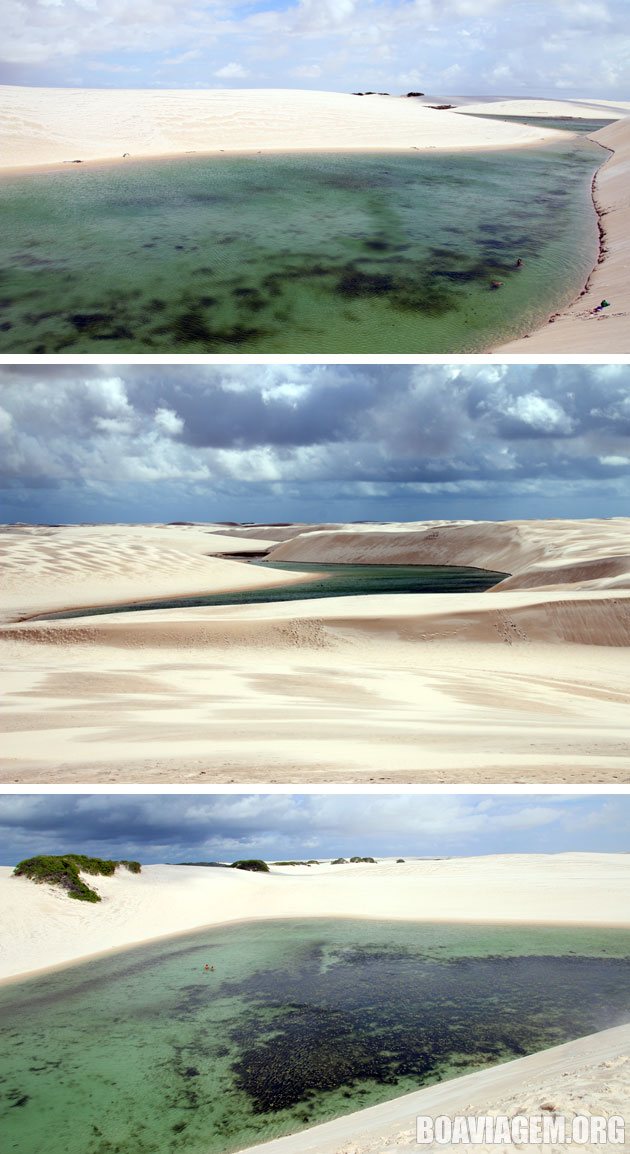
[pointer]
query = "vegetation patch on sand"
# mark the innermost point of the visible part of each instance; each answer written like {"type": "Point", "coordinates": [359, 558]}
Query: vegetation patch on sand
{"type": "Point", "coordinates": [66, 871]}
{"type": "Point", "coordinates": [254, 865]}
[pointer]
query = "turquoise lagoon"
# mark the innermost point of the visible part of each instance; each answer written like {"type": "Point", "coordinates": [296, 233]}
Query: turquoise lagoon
{"type": "Point", "coordinates": [361, 253]}
{"type": "Point", "coordinates": [325, 581]}
{"type": "Point", "coordinates": [143, 1052]}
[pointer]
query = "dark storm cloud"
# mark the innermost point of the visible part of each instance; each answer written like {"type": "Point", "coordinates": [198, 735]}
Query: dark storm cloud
{"type": "Point", "coordinates": [215, 415]}
{"type": "Point", "coordinates": [222, 827]}
{"type": "Point", "coordinates": [302, 430]}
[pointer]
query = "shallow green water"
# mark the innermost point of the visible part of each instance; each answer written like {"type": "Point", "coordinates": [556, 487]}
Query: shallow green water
{"type": "Point", "coordinates": [145, 1053]}
{"type": "Point", "coordinates": [344, 581]}
{"type": "Point", "coordinates": [317, 253]}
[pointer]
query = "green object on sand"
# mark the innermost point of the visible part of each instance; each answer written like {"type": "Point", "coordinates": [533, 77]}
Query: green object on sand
{"type": "Point", "coordinates": [65, 871]}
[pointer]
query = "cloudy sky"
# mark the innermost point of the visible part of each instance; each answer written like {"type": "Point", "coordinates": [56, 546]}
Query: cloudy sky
{"type": "Point", "coordinates": [509, 47]}
{"type": "Point", "coordinates": [223, 827]}
{"type": "Point", "coordinates": [313, 442]}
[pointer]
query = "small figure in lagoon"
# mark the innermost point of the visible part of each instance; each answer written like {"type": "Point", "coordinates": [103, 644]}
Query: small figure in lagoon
{"type": "Point", "coordinates": [495, 284]}
{"type": "Point", "coordinates": [519, 263]}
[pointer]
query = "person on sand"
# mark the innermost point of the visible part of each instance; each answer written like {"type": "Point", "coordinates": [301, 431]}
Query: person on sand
{"type": "Point", "coordinates": [602, 305]}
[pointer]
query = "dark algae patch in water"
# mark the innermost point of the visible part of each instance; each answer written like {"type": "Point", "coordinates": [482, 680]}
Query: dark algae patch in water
{"type": "Point", "coordinates": [457, 1014]}
{"type": "Point", "coordinates": [146, 1052]}
{"type": "Point", "coordinates": [317, 253]}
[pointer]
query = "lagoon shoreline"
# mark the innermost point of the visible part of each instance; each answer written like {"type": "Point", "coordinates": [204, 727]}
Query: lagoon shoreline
{"type": "Point", "coordinates": [45, 930]}
{"type": "Point", "coordinates": [245, 123]}
{"type": "Point", "coordinates": [576, 327]}
{"type": "Point", "coordinates": [591, 1074]}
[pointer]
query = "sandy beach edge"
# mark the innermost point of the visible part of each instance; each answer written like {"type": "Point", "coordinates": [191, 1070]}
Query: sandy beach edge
{"type": "Point", "coordinates": [130, 604]}
{"type": "Point", "coordinates": [602, 251]}
{"type": "Point", "coordinates": [581, 326]}
{"type": "Point", "coordinates": [104, 163]}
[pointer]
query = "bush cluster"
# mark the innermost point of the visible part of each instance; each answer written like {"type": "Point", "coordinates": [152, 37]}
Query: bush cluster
{"type": "Point", "coordinates": [254, 865]}
{"type": "Point", "coordinates": [64, 871]}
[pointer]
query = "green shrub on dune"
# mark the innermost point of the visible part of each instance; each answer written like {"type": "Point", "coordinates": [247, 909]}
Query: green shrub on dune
{"type": "Point", "coordinates": [64, 871]}
{"type": "Point", "coordinates": [254, 865]}
{"type": "Point", "coordinates": [311, 861]}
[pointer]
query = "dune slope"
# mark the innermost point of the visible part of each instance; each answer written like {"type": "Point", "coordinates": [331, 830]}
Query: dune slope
{"type": "Point", "coordinates": [52, 125]}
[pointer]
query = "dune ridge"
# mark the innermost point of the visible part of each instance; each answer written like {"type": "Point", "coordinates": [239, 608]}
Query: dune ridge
{"type": "Point", "coordinates": [44, 126]}
{"type": "Point", "coordinates": [586, 553]}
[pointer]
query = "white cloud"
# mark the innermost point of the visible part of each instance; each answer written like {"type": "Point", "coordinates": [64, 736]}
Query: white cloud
{"type": "Point", "coordinates": [319, 432]}
{"type": "Point", "coordinates": [232, 71]}
{"type": "Point", "coordinates": [363, 42]}
{"type": "Point", "coordinates": [168, 421]}
{"type": "Point", "coordinates": [540, 413]}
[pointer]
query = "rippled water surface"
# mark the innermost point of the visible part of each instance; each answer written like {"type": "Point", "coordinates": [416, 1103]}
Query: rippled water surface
{"type": "Point", "coordinates": [143, 1052]}
{"type": "Point", "coordinates": [301, 253]}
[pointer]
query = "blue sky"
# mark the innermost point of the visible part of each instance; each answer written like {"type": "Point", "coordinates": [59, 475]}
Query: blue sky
{"type": "Point", "coordinates": [286, 442]}
{"type": "Point", "coordinates": [216, 827]}
{"type": "Point", "coordinates": [508, 47]}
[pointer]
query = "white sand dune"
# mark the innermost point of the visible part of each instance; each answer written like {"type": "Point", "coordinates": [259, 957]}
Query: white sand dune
{"type": "Point", "coordinates": [586, 553]}
{"type": "Point", "coordinates": [525, 682]}
{"type": "Point", "coordinates": [43, 126]}
{"type": "Point", "coordinates": [49, 568]}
